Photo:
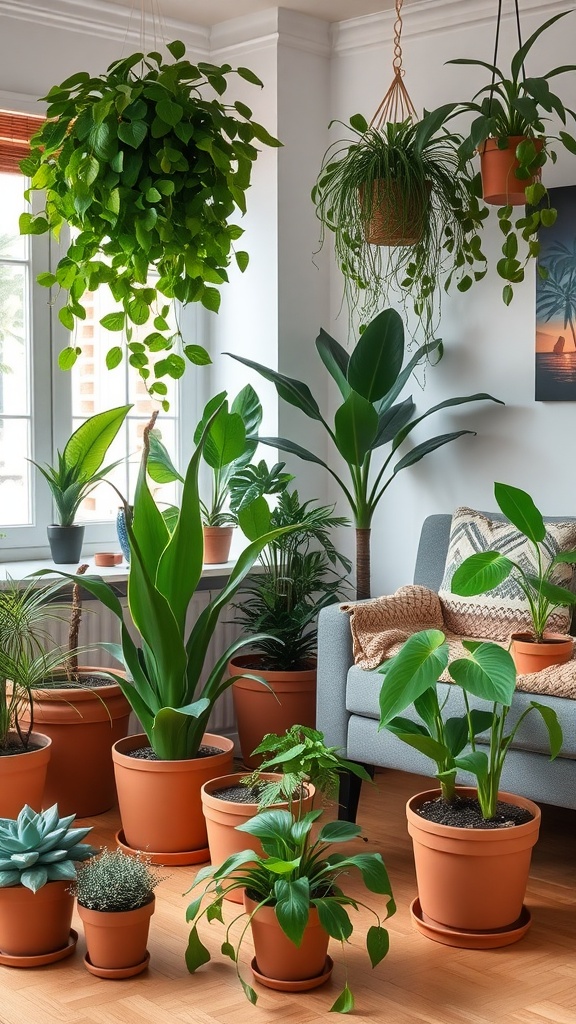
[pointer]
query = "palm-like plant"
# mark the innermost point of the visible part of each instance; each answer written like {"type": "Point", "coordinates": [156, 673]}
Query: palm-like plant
{"type": "Point", "coordinates": [556, 292]}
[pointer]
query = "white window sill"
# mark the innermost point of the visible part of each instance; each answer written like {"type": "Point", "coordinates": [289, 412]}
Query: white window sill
{"type": "Point", "coordinates": [113, 574]}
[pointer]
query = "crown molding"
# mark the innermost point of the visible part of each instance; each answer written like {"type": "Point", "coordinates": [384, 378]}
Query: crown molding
{"type": "Point", "coordinates": [427, 17]}
{"type": "Point", "coordinates": [96, 18]}
{"type": "Point", "coordinates": [276, 25]}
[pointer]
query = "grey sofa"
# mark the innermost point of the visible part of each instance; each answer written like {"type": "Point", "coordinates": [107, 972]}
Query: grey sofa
{"type": "Point", "coordinates": [348, 713]}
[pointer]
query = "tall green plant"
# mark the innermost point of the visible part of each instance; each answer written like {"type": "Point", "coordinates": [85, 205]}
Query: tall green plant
{"type": "Point", "coordinates": [370, 379]}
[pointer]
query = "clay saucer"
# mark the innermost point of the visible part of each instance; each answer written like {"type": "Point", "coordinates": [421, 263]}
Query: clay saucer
{"type": "Point", "coordinates": [294, 986]}
{"type": "Point", "coordinates": [469, 939]}
{"type": "Point", "coordinates": [117, 973]}
{"type": "Point", "coordinates": [182, 857]}
{"type": "Point", "coordinates": [43, 958]}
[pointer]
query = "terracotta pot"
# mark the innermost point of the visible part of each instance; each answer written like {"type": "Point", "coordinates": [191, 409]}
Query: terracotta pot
{"type": "Point", "coordinates": [393, 219]}
{"type": "Point", "coordinates": [500, 186]}
{"type": "Point", "coordinates": [159, 801]}
{"type": "Point", "coordinates": [23, 777]}
{"type": "Point", "coordinates": [529, 656]}
{"type": "Point", "coordinates": [217, 542]}
{"type": "Point", "coordinates": [117, 939]}
{"type": "Point", "coordinates": [82, 724]}
{"type": "Point", "coordinates": [259, 712]}
{"type": "Point", "coordinates": [277, 957]}
{"type": "Point", "coordinates": [224, 816]}
{"type": "Point", "coordinates": [472, 879]}
{"type": "Point", "coordinates": [35, 923]}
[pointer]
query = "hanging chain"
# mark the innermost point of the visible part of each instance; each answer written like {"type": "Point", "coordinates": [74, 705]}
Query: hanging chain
{"type": "Point", "coordinates": [396, 105]}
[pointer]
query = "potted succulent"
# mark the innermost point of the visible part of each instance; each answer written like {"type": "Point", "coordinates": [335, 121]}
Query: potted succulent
{"type": "Point", "coordinates": [539, 582]}
{"type": "Point", "coordinates": [115, 894]}
{"type": "Point", "coordinates": [302, 572]}
{"type": "Point", "coordinates": [404, 213]}
{"type": "Point", "coordinates": [38, 852]}
{"type": "Point", "coordinates": [148, 169]}
{"type": "Point", "coordinates": [370, 380]}
{"type": "Point", "coordinates": [509, 132]}
{"type": "Point", "coordinates": [76, 475]}
{"type": "Point", "coordinates": [293, 902]}
{"type": "Point", "coordinates": [472, 847]}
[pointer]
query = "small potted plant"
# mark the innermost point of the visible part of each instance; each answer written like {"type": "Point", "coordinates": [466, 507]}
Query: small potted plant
{"type": "Point", "coordinates": [472, 847]}
{"type": "Point", "coordinates": [76, 475]}
{"type": "Point", "coordinates": [38, 853]}
{"type": "Point", "coordinates": [293, 902]}
{"type": "Point", "coordinates": [541, 582]}
{"type": "Point", "coordinates": [115, 893]}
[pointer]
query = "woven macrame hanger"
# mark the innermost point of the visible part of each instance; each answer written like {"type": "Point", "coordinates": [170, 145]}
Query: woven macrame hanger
{"type": "Point", "coordinates": [396, 105]}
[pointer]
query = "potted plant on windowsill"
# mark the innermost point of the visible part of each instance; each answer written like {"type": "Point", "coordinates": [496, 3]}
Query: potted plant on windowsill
{"type": "Point", "coordinates": [539, 582]}
{"type": "Point", "coordinates": [509, 132]}
{"type": "Point", "coordinates": [472, 847]}
{"type": "Point", "coordinates": [76, 475]}
{"type": "Point", "coordinates": [293, 902]}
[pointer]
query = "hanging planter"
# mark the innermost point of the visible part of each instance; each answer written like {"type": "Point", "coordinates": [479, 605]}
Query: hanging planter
{"type": "Point", "coordinates": [499, 165]}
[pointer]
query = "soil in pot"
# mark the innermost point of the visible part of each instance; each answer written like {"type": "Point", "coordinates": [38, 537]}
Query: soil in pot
{"type": "Point", "coordinates": [465, 812]}
{"type": "Point", "coordinates": [529, 656]}
{"type": "Point", "coordinates": [23, 774]}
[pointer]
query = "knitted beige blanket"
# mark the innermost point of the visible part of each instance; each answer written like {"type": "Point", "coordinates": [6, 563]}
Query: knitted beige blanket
{"type": "Point", "coordinates": [382, 625]}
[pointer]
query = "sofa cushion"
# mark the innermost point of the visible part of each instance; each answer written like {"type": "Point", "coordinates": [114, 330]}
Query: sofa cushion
{"type": "Point", "coordinates": [503, 610]}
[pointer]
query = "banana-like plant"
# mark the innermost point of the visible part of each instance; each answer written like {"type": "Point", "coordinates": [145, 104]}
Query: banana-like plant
{"type": "Point", "coordinates": [39, 847]}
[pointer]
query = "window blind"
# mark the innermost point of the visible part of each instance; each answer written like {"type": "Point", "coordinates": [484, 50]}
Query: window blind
{"type": "Point", "coordinates": [16, 130]}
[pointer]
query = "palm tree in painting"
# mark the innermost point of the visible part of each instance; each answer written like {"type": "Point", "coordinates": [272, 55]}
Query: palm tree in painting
{"type": "Point", "coordinates": [556, 293]}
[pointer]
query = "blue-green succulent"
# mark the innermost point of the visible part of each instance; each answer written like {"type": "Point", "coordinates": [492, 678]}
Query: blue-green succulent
{"type": "Point", "coordinates": [39, 847]}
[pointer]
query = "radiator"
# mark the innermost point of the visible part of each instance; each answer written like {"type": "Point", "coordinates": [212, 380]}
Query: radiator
{"type": "Point", "coordinates": [100, 625]}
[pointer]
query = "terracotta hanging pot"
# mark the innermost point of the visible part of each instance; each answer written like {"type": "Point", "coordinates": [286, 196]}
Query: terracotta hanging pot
{"type": "Point", "coordinates": [224, 816]}
{"type": "Point", "coordinates": [23, 776]}
{"type": "Point", "coordinates": [260, 711]}
{"type": "Point", "coordinates": [529, 656]}
{"type": "Point", "coordinates": [35, 924]}
{"type": "Point", "coordinates": [500, 186]}
{"type": "Point", "coordinates": [116, 940]}
{"type": "Point", "coordinates": [278, 961]}
{"type": "Point", "coordinates": [393, 218]}
{"type": "Point", "coordinates": [83, 723]}
{"type": "Point", "coordinates": [217, 543]}
{"type": "Point", "coordinates": [472, 880]}
{"type": "Point", "coordinates": [160, 804]}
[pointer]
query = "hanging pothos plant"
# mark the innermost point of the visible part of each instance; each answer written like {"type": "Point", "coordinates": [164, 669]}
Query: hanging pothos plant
{"type": "Point", "coordinates": [148, 172]}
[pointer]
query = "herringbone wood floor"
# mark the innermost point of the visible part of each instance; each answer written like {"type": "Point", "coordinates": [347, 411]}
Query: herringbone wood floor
{"type": "Point", "coordinates": [533, 982]}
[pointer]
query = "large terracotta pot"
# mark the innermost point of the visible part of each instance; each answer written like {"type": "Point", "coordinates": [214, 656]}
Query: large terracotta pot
{"type": "Point", "coordinates": [277, 958]}
{"type": "Point", "coordinates": [556, 649]}
{"type": "Point", "coordinates": [23, 777]}
{"type": "Point", "coordinates": [472, 879]}
{"type": "Point", "coordinates": [500, 186]}
{"type": "Point", "coordinates": [35, 923]}
{"type": "Point", "coordinates": [224, 816]}
{"type": "Point", "coordinates": [159, 801]}
{"type": "Point", "coordinates": [217, 543]}
{"type": "Point", "coordinates": [116, 940]}
{"type": "Point", "coordinates": [82, 723]}
{"type": "Point", "coordinates": [392, 218]}
{"type": "Point", "coordinates": [259, 711]}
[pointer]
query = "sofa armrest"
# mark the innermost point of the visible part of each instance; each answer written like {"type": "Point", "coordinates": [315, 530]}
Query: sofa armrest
{"type": "Point", "coordinates": [334, 660]}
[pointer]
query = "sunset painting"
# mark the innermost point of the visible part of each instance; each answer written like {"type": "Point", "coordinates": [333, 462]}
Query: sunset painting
{"type": "Point", "coordinates": [556, 303]}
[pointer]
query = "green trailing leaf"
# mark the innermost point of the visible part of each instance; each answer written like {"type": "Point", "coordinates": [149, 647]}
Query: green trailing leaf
{"type": "Point", "coordinates": [344, 1003]}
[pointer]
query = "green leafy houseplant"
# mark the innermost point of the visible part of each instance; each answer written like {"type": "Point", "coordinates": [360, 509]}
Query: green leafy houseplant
{"type": "Point", "coordinates": [149, 170]}
{"type": "Point", "coordinates": [516, 107]}
{"type": "Point", "coordinates": [40, 847]}
{"type": "Point", "coordinates": [295, 876]}
{"type": "Point", "coordinates": [488, 569]}
{"type": "Point", "coordinates": [78, 469]}
{"type": "Point", "coordinates": [411, 678]}
{"type": "Point", "coordinates": [116, 881]}
{"type": "Point", "coordinates": [370, 380]}
{"type": "Point", "coordinates": [414, 168]}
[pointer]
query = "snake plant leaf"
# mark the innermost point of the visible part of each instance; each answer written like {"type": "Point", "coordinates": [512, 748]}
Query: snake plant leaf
{"type": "Point", "coordinates": [377, 358]}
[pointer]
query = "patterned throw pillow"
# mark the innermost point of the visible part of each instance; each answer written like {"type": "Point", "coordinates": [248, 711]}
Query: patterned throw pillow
{"type": "Point", "coordinates": [504, 610]}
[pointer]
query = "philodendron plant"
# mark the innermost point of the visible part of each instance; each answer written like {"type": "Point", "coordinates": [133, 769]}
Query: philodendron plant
{"type": "Point", "coordinates": [148, 167]}
{"type": "Point", "coordinates": [370, 379]}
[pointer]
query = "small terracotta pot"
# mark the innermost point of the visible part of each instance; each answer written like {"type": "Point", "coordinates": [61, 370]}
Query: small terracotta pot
{"type": "Point", "coordinates": [259, 711]}
{"type": "Point", "coordinates": [472, 879]}
{"type": "Point", "coordinates": [500, 186]}
{"type": "Point", "coordinates": [529, 656]}
{"type": "Point", "coordinates": [35, 923]}
{"type": "Point", "coordinates": [393, 218]}
{"type": "Point", "coordinates": [117, 939]}
{"type": "Point", "coordinates": [159, 801]}
{"type": "Point", "coordinates": [82, 724]}
{"type": "Point", "coordinates": [224, 816]}
{"type": "Point", "coordinates": [23, 776]}
{"type": "Point", "coordinates": [277, 957]}
{"type": "Point", "coordinates": [217, 543]}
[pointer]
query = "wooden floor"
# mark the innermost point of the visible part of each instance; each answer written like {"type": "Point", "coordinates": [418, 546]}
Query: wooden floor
{"type": "Point", "coordinates": [532, 982]}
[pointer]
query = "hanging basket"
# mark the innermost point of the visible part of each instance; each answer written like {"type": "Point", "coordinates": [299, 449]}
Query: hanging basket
{"type": "Point", "coordinates": [392, 217]}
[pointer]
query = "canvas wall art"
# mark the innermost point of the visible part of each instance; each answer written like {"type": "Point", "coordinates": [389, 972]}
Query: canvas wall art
{"type": "Point", "coordinates": [556, 303]}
